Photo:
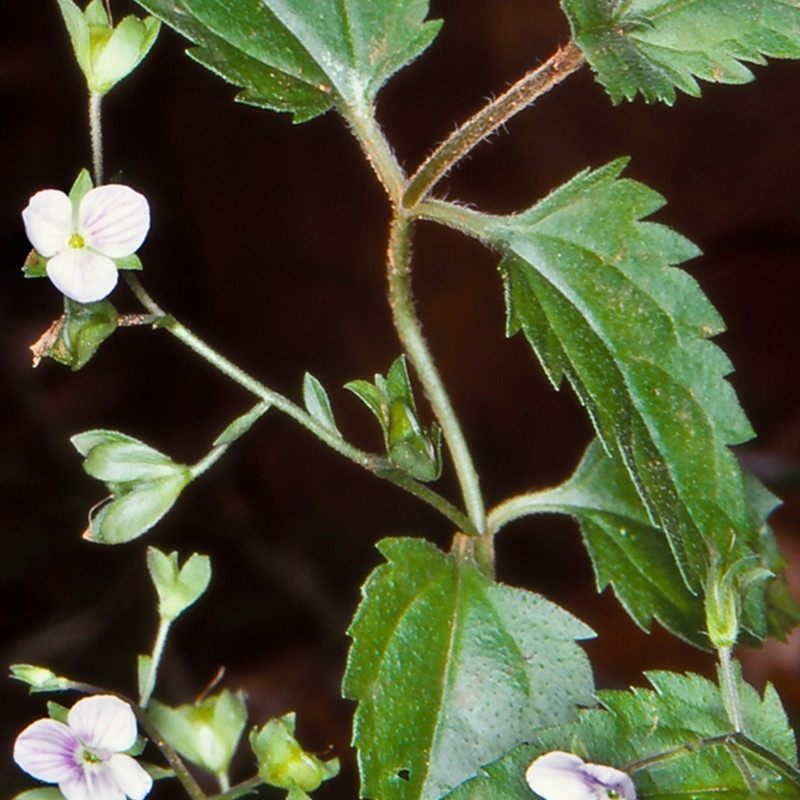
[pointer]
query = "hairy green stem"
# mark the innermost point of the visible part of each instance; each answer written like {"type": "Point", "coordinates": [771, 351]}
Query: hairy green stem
{"type": "Point", "coordinates": [375, 464]}
{"type": "Point", "coordinates": [730, 690]}
{"type": "Point", "coordinates": [410, 332]}
{"type": "Point", "coordinates": [96, 135]}
{"type": "Point", "coordinates": [520, 95]}
{"type": "Point", "coordinates": [155, 661]}
{"type": "Point", "coordinates": [378, 152]}
{"type": "Point", "coordinates": [522, 505]}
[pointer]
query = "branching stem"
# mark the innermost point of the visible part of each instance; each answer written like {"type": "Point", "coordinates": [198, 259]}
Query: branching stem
{"type": "Point", "coordinates": [375, 464]}
{"type": "Point", "coordinates": [410, 332]}
{"type": "Point", "coordinates": [523, 93]}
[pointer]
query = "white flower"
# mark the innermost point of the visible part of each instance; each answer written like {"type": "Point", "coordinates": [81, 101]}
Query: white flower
{"type": "Point", "coordinates": [111, 221]}
{"type": "Point", "coordinates": [86, 757]}
{"type": "Point", "coordinates": [564, 776]}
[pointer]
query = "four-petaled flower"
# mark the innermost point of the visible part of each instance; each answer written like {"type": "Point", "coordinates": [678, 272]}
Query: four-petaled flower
{"type": "Point", "coordinates": [564, 776]}
{"type": "Point", "coordinates": [81, 242]}
{"type": "Point", "coordinates": [86, 757]}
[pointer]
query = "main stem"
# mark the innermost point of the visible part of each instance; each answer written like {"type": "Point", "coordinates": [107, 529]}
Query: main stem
{"type": "Point", "coordinates": [96, 135]}
{"type": "Point", "coordinates": [523, 93]}
{"type": "Point", "coordinates": [410, 332]}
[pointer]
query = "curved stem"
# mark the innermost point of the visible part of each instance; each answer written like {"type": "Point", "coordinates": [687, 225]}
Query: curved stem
{"type": "Point", "coordinates": [155, 661]}
{"type": "Point", "coordinates": [375, 464]}
{"type": "Point", "coordinates": [379, 154]}
{"type": "Point", "coordinates": [523, 505]}
{"type": "Point", "coordinates": [523, 93]}
{"type": "Point", "coordinates": [96, 135]}
{"type": "Point", "coordinates": [410, 333]}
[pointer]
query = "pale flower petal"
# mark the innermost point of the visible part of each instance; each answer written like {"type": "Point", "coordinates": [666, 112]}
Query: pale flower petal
{"type": "Point", "coordinates": [48, 221]}
{"type": "Point", "coordinates": [131, 776]}
{"type": "Point", "coordinates": [46, 750]}
{"type": "Point", "coordinates": [114, 220]}
{"type": "Point", "coordinates": [82, 275]}
{"type": "Point", "coordinates": [94, 782]}
{"type": "Point", "coordinates": [103, 723]}
{"type": "Point", "coordinates": [564, 776]}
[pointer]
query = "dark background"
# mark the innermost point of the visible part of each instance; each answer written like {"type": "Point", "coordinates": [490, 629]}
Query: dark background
{"type": "Point", "coordinates": [268, 240]}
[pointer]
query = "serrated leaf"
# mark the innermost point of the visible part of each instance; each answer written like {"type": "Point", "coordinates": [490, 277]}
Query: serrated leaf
{"type": "Point", "coordinates": [683, 722]}
{"type": "Point", "coordinates": [317, 403]}
{"type": "Point", "coordinates": [657, 46]}
{"type": "Point", "coordinates": [627, 552]}
{"type": "Point", "coordinates": [680, 711]}
{"type": "Point", "coordinates": [595, 293]}
{"type": "Point", "coordinates": [451, 670]}
{"type": "Point", "coordinates": [633, 557]}
{"type": "Point", "coordinates": [302, 56]}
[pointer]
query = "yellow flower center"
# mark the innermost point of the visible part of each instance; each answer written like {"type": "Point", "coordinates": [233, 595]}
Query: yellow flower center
{"type": "Point", "coordinates": [76, 242]}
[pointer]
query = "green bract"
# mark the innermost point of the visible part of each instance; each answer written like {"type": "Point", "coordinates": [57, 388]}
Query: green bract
{"type": "Point", "coordinates": [40, 679]}
{"type": "Point", "coordinates": [302, 56]}
{"type": "Point", "coordinates": [143, 484]}
{"type": "Point", "coordinates": [282, 762]}
{"type": "Point", "coordinates": [177, 587]}
{"type": "Point", "coordinates": [208, 732]}
{"type": "Point", "coordinates": [106, 54]}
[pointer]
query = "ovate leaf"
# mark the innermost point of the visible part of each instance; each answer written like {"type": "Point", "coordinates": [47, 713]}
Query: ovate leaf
{"type": "Point", "coordinates": [451, 670]}
{"type": "Point", "coordinates": [302, 56]}
{"type": "Point", "coordinates": [593, 289]}
{"type": "Point", "coordinates": [657, 46]}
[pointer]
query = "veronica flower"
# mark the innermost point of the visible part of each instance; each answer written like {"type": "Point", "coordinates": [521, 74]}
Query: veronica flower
{"type": "Point", "coordinates": [564, 776]}
{"type": "Point", "coordinates": [86, 756]}
{"type": "Point", "coordinates": [81, 241]}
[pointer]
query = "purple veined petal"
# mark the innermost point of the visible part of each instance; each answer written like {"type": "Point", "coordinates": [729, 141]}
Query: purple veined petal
{"type": "Point", "coordinates": [48, 221]}
{"type": "Point", "coordinates": [82, 276]}
{"type": "Point", "coordinates": [114, 220]}
{"type": "Point", "coordinates": [130, 776]}
{"type": "Point", "coordinates": [46, 750]}
{"type": "Point", "coordinates": [559, 776]}
{"type": "Point", "coordinates": [613, 779]}
{"type": "Point", "coordinates": [104, 723]}
{"type": "Point", "coordinates": [95, 782]}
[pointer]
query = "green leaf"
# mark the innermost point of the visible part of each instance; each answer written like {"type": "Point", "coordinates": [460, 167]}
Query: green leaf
{"type": "Point", "coordinates": [44, 793]}
{"type": "Point", "coordinates": [451, 670]}
{"type": "Point", "coordinates": [242, 424]}
{"type": "Point", "coordinates": [39, 679]}
{"type": "Point", "coordinates": [595, 293]}
{"type": "Point", "coordinates": [682, 726]}
{"type": "Point", "coordinates": [302, 56]}
{"type": "Point", "coordinates": [317, 403]}
{"type": "Point", "coordinates": [634, 557]}
{"type": "Point", "coordinates": [657, 46]}
{"type": "Point", "coordinates": [627, 552]}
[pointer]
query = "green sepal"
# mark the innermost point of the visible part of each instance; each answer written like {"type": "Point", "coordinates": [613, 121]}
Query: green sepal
{"type": "Point", "coordinates": [318, 404]}
{"type": "Point", "coordinates": [39, 679]}
{"type": "Point", "coordinates": [208, 732]}
{"type": "Point", "coordinates": [57, 712]}
{"type": "Point", "coordinates": [77, 334]}
{"type": "Point", "coordinates": [451, 670]}
{"type": "Point", "coordinates": [653, 48]}
{"type": "Point", "coordinates": [177, 586]}
{"type": "Point", "coordinates": [144, 484]}
{"type": "Point", "coordinates": [43, 793]}
{"type": "Point", "coordinates": [283, 763]}
{"type": "Point", "coordinates": [104, 53]}
{"type": "Point", "coordinates": [411, 448]}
